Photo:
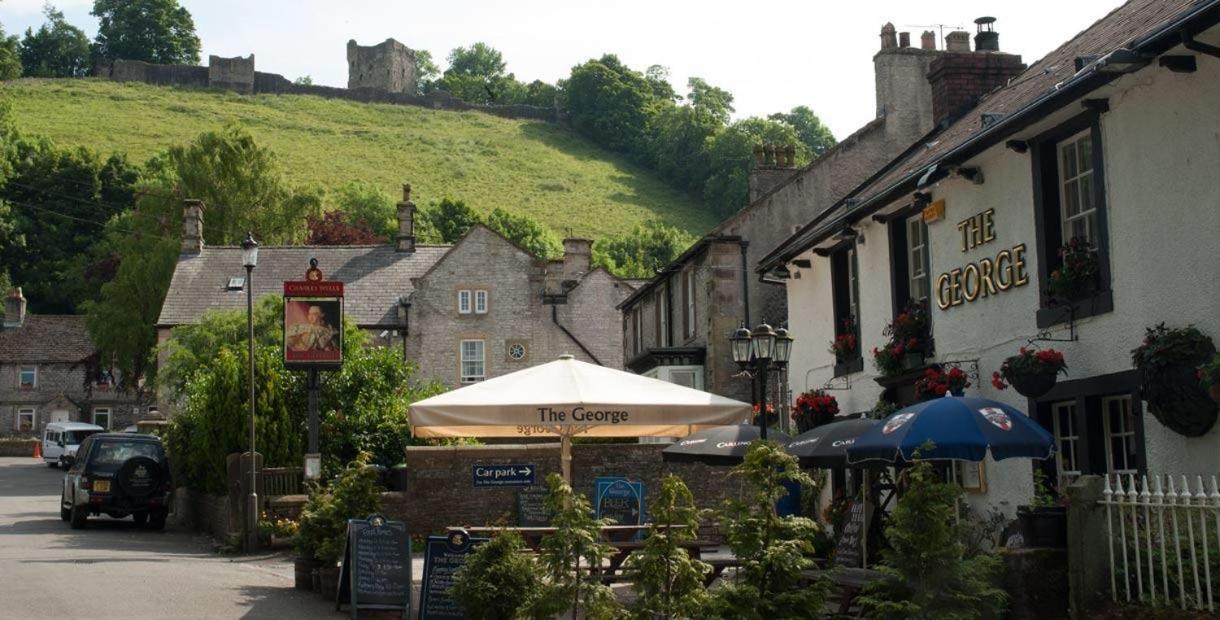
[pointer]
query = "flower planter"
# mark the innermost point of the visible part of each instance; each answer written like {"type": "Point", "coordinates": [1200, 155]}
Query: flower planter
{"type": "Point", "coordinates": [911, 361]}
{"type": "Point", "coordinates": [1176, 400]}
{"type": "Point", "coordinates": [1043, 527]}
{"type": "Point", "coordinates": [1034, 385]}
{"type": "Point", "coordinates": [328, 579]}
{"type": "Point", "coordinates": [302, 573]}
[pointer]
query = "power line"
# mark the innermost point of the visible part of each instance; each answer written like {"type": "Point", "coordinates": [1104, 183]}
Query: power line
{"type": "Point", "coordinates": [98, 223]}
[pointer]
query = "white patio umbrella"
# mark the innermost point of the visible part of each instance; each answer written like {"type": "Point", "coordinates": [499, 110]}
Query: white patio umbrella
{"type": "Point", "coordinates": [568, 398]}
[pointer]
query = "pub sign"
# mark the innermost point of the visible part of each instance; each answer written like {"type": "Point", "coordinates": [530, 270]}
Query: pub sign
{"type": "Point", "coordinates": [313, 322]}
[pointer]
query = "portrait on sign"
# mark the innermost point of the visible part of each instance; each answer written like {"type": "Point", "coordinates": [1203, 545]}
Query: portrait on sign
{"type": "Point", "coordinates": [313, 330]}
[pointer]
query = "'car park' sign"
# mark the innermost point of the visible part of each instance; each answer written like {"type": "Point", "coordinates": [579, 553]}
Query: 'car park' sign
{"type": "Point", "coordinates": [520, 475]}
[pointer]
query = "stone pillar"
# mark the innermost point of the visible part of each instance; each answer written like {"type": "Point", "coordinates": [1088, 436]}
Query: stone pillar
{"type": "Point", "coordinates": [192, 226]}
{"type": "Point", "coordinates": [577, 256]}
{"type": "Point", "coordinates": [405, 240]}
{"type": "Point", "coordinates": [1087, 559]}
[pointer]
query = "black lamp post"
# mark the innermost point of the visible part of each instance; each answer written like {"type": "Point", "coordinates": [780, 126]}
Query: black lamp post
{"type": "Point", "coordinates": [757, 352]}
{"type": "Point", "coordinates": [249, 259]}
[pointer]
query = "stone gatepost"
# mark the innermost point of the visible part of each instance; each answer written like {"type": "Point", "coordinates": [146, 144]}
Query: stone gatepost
{"type": "Point", "coordinates": [1088, 559]}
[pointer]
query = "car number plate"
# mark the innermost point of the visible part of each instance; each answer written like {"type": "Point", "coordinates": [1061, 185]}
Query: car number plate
{"type": "Point", "coordinates": [101, 486]}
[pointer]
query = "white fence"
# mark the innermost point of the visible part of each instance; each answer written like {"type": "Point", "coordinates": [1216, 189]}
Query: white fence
{"type": "Point", "coordinates": [1164, 536]}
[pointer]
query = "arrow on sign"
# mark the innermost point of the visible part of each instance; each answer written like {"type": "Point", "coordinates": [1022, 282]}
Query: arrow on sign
{"type": "Point", "coordinates": [525, 471]}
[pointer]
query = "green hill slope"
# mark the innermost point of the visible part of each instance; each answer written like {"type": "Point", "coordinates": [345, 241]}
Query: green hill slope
{"type": "Point", "coordinates": [536, 168]}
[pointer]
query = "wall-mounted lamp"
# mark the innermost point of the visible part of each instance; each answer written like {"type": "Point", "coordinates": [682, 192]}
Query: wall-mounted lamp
{"type": "Point", "coordinates": [971, 173]}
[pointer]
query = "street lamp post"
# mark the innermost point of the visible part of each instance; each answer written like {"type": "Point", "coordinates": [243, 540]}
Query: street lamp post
{"type": "Point", "coordinates": [757, 352]}
{"type": "Point", "coordinates": [249, 258]}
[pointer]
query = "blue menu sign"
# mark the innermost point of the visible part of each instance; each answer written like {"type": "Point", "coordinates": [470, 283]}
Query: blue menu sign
{"type": "Point", "coordinates": [443, 556]}
{"type": "Point", "coordinates": [619, 499]}
{"type": "Point", "coordinates": [520, 475]}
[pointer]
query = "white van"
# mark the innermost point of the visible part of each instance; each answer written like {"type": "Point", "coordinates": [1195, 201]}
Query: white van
{"type": "Point", "coordinates": [61, 439]}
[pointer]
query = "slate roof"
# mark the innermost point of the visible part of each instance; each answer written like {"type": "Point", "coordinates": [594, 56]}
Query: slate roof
{"type": "Point", "coordinates": [1034, 93]}
{"type": "Point", "coordinates": [46, 338]}
{"type": "Point", "coordinates": [374, 278]}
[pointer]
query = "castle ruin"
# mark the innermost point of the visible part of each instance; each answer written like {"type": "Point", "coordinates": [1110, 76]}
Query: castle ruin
{"type": "Point", "coordinates": [388, 66]}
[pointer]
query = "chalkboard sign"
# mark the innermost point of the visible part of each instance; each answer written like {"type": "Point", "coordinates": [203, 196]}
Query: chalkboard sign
{"type": "Point", "coordinates": [620, 500]}
{"type": "Point", "coordinates": [531, 508]}
{"type": "Point", "coordinates": [376, 571]}
{"type": "Point", "coordinates": [849, 551]}
{"type": "Point", "coordinates": [443, 557]}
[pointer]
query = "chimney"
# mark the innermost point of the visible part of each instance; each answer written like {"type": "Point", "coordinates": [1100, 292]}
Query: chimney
{"type": "Point", "coordinates": [959, 78]}
{"type": "Point", "coordinates": [14, 308]}
{"type": "Point", "coordinates": [904, 39]}
{"type": "Point", "coordinates": [903, 95]}
{"type": "Point", "coordinates": [986, 39]}
{"type": "Point", "coordinates": [888, 38]}
{"type": "Point", "coordinates": [192, 226]}
{"type": "Point", "coordinates": [777, 165]}
{"type": "Point", "coordinates": [927, 40]}
{"type": "Point", "coordinates": [957, 41]}
{"type": "Point", "coordinates": [552, 282]}
{"type": "Point", "coordinates": [577, 254]}
{"type": "Point", "coordinates": [405, 240]}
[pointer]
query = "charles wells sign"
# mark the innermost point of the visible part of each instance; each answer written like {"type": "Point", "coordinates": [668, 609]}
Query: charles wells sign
{"type": "Point", "coordinates": [313, 322]}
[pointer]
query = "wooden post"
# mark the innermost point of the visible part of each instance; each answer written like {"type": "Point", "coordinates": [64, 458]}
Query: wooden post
{"type": "Point", "coordinates": [565, 457]}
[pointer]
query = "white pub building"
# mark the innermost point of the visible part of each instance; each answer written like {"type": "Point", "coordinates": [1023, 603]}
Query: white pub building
{"type": "Point", "coordinates": [1113, 140]}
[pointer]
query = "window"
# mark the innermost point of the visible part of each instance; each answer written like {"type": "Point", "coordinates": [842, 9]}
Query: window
{"type": "Point", "coordinates": [1066, 441]}
{"type": "Point", "coordinates": [662, 306]}
{"type": "Point", "coordinates": [1078, 210]}
{"type": "Point", "coordinates": [28, 377]}
{"type": "Point", "coordinates": [1119, 422]}
{"type": "Point", "coordinates": [480, 302]}
{"type": "Point", "coordinates": [101, 417]}
{"type": "Point", "coordinates": [688, 296]}
{"type": "Point", "coordinates": [845, 290]}
{"type": "Point", "coordinates": [637, 330]}
{"type": "Point", "coordinates": [25, 420]}
{"type": "Point", "coordinates": [516, 351]}
{"type": "Point", "coordinates": [464, 302]}
{"type": "Point", "coordinates": [473, 369]}
{"type": "Point", "coordinates": [917, 259]}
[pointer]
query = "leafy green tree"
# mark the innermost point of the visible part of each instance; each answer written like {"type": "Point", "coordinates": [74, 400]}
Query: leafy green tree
{"type": "Point", "coordinates": [426, 72]}
{"type": "Point", "coordinates": [658, 79]}
{"type": "Point", "coordinates": [773, 550]}
{"type": "Point", "coordinates": [642, 252]}
{"type": "Point", "coordinates": [611, 104]}
{"type": "Point", "coordinates": [575, 543]}
{"type": "Point", "coordinates": [476, 75]}
{"type": "Point", "coordinates": [304, 80]}
{"type": "Point", "coordinates": [479, 59]}
{"type": "Point", "coordinates": [57, 49]}
{"type": "Point", "coordinates": [730, 153]}
{"type": "Point", "coordinates": [366, 204]}
{"type": "Point", "coordinates": [541, 94]}
{"type": "Point", "coordinates": [157, 31]}
{"type": "Point", "coordinates": [450, 219]}
{"type": "Point", "coordinates": [668, 582]}
{"type": "Point", "coordinates": [813, 134]}
{"type": "Point", "coordinates": [529, 234]}
{"type": "Point", "coordinates": [499, 580]}
{"type": "Point", "coordinates": [929, 575]}
{"type": "Point", "coordinates": [10, 56]}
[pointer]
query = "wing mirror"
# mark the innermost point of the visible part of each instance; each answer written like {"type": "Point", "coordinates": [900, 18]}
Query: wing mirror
{"type": "Point", "coordinates": [69, 459]}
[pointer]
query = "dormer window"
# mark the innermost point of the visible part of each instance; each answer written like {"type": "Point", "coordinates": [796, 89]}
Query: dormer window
{"type": "Point", "coordinates": [236, 284]}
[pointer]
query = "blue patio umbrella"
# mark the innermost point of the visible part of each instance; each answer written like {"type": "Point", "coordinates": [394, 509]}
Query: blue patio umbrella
{"type": "Point", "coordinates": [964, 429]}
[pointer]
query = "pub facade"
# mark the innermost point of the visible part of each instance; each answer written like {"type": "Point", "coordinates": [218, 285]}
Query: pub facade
{"type": "Point", "coordinates": [1101, 159]}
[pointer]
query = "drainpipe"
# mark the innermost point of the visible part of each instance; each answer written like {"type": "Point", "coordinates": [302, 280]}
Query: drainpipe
{"type": "Point", "coordinates": [555, 320]}
{"type": "Point", "coordinates": [745, 285]}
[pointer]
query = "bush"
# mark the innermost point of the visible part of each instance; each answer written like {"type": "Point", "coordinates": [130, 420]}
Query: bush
{"type": "Point", "coordinates": [352, 495]}
{"type": "Point", "coordinates": [576, 543]}
{"type": "Point", "coordinates": [668, 582]}
{"type": "Point", "coordinates": [499, 579]}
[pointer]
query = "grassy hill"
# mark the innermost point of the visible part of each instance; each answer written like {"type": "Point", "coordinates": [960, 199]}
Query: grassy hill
{"type": "Point", "coordinates": [530, 167]}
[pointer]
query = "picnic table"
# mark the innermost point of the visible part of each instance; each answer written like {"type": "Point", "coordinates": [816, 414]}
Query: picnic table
{"type": "Point", "coordinates": [848, 581]}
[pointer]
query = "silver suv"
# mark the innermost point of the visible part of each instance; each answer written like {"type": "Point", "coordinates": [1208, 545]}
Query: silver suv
{"type": "Point", "coordinates": [118, 474]}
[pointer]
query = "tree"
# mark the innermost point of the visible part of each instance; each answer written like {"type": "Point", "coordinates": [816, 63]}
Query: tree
{"type": "Point", "coordinates": [576, 542]}
{"type": "Point", "coordinates": [157, 31]}
{"type": "Point", "coordinates": [642, 252]}
{"type": "Point", "coordinates": [541, 94]}
{"type": "Point", "coordinates": [58, 49]}
{"type": "Point", "coordinates": [526, 232]}
{"type": "Point", "coordinates": [426, 72]}
{"type": "Point", "coordinates": [669, 583]}
{"type": "Point", "coordinates": [499, 580]}
{"type": "Point", "coordinates": [10, 56]}
{"type": "Point", "coordinates": [928, 573]}
{"type": "Point", "coordinates": [304, 80]}
{"type": "Point", "coordinates": [773, 550]}
{"type": "Point", "coordinates": [480, 60]}
{"type": "Point", "coordinates": [337, 228]}
{"type": "Point", "coordinates": [730, 154]}
{"type": "Point", "coordinates": [658, 79]}
{"type": "Point", "coordinates": [813, 134]}
{"type": "Point", "coordinates": [610, 104]}
{"type": "Point", "coordinates": [476, 75]}
{"type": "Point", "coordinates": [450, 218]}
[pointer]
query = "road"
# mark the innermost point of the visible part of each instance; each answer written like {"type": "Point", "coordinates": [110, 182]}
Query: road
{"type": "Point", "coordinates": [113, 569]}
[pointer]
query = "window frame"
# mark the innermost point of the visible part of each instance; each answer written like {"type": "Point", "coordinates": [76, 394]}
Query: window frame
{"type": "Point", "coordinates": [688, 294]}
{"type": "Point", "coordinates": [1124, 435]}
{"type": "Point", "coordinates": [637, 330]}
{"type": "Point", "coordinates": [1089, 215]}
{"type": "Point", "coordinates": [465, 301]}
{"type": "Point", "coordinates": [106, 411]}
{"type": "Point", "coordinates": [1063, 436]}
{"type": "Point", "coordinates": [1048, 210]}
{"type": "Point", "coordinates": [463, 377]}
{"type": "Point", "coordinates": [664, 338]}
{"type": "Point", "coordinates": [21, 371]}
{"type": "Point", "coordinates": [845, 293]}
{"type": "Point", "coordinates": [923, 252]}
{"type": "Point", "coordinates": [480, 294]}
{"type": "Point", "coordinates": [32, 412]}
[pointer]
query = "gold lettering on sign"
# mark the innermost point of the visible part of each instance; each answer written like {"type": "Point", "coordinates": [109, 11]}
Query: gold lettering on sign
{"type": "Point", "coordinates": [987, 276]}
{"type": "Point", "coordinates": [977, 229]}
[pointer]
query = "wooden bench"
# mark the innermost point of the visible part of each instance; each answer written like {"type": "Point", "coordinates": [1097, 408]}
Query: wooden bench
{"type": "Point", "coordinates": [847, 582]}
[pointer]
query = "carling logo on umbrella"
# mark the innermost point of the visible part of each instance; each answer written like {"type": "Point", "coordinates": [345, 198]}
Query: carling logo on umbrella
{"type": "Point", "coordinates": [691, 442]}
{"type": "Point", "coordinates": [896, 422]}
{"type": "Point", "coordinates": [732, 444]}
{"type": "Point", "coordinates": [997, 417]}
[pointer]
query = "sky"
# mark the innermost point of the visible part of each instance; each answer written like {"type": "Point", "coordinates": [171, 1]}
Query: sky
{"type": "Point", "coordinates": [771, 56]}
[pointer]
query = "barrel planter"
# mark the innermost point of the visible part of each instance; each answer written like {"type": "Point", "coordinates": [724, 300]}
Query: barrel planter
{"type": "Point", "coordinates": [1044, 527]}
{"type": "Point", "coordinates": [302, 572]}
{"type": "Point", "coordinates": [328, 579]}
{"type": "Point", "coordinates": [1034, 385]}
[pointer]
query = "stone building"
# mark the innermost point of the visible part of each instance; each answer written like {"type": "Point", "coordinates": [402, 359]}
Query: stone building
{"type": "Point", "coordinates": [1109, 139]}
{"type": "Point", "coordinates": [49, 372]}
{"type": "Point", "coordinates": [388, 66]}
{"type": "Point", "coordinates": [683, 317]}
{"type": "Point", "coordinates": [467, 312]}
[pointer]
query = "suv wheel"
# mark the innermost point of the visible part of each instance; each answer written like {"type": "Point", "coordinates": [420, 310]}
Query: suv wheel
{"type": "Point", "coordinates": [64, 512]}
{"type": "Point", "coordinates": [156, 519]}
{"type": "Point", "coordinates": [78, 516]}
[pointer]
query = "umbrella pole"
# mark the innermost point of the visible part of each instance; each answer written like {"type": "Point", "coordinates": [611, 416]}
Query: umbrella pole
{"type": "Point", "coordinates": [565, 457]}
{"type": "Point", "coordinates": [864, 539]}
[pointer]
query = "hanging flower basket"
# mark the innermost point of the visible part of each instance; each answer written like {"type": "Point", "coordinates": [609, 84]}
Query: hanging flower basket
{"type": "Point", "coordinates": [1209, 377]}
{"type": "Point", "coordinates": [813, 409]}
{"type": "Point", "coordinates": [1080, 271]}
{"type": "Point", "coordinates": [1031, 373]}
{"type": "Point", "coordinates": [1169, 359]}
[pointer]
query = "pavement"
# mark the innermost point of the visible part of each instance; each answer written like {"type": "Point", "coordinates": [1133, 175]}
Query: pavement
{"type": "Point", "coordinates": [112, 569]}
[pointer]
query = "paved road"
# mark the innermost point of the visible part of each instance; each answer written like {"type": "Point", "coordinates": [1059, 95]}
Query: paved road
{"type": "Point", "coordinates": [113, 569]}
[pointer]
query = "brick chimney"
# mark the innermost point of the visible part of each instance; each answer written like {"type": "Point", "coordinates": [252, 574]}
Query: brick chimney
{"type": "Point", "coordinates": [192, 226]}
{"type": "Point", "coordinates": [773, 164]}
{"type": "Point", "coordinates": [927, 40]}
{"type": "Point", "coordinates": [960, 77]}
{"type": "Point", "coordinates": [14, 308]}
{"type": "Point", "coordinates": [577, 256]}
{"type": "Point", "coordinates": [405, 240]}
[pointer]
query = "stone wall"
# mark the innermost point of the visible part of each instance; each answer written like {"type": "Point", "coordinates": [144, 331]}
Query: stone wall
{"type": "Point", "coordinates": [440, 491]}
{"type": "Point", "coordinates": [17, 447]}
{"type": "Point", "coordinates": [204, 513]}
{"type": "Point", "coordinates": [388, 66]}
{"type": "Point", "coordinates": [235, 74]}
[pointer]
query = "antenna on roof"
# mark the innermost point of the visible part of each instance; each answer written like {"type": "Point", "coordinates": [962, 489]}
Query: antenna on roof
{"type": "Point", "coordinates": [940, 28]}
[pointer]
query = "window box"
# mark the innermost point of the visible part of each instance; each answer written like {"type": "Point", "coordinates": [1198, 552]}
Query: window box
{"type": "Point", "coordinates": [1098, 303]}
{"type": "Point", "coordinates": [850, 366]}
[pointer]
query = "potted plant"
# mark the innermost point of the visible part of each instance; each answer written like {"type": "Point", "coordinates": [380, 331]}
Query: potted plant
{"type": "Point", "coordinates": [1031, 373]}
{"type": "Point", "coordinates": [1044, 522]}
{"type": "Point", "coordinates": [813, 409]}
{"type": "Point", "coordinates": [1209, 376]}
{"type": "Point", "coordinates": [771, 417]}
{"type": "Point", "coordinates": [907, 333]}
{"type": "Point", "coordinates": [1077, 275]}
{"type": "Point", "coordinates": [888, 359]}
{"type": "Point", "coordinates": [846, 346]}
{"type": "Point", "coordinates": [936, 383]}
{"type": "Point", "coordinates": [1169, 359]}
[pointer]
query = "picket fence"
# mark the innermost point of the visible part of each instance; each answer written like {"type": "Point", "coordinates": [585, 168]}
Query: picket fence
{"type": "Point", "coordinates": [1163, 540]}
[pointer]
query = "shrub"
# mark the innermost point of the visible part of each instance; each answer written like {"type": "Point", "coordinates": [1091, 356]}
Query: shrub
{"type": "Point", "coordinates": [499, 579]}
{"type": "Point", "coordinates": [668, 582]}
{"type": "Point", "coordinates": [352, 495]}
{"type": "Point", "coordinates": [576, 542]}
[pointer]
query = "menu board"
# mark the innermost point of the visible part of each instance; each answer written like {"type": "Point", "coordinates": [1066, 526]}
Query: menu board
{"type": "Point", "coordinates": [376, 570]}
{"type": "Point", "coordinates": [531, 508]}
{"type": "Point", "coordinates": [849, 551]}
{"type": "Point", "coordinates": [443, 557]}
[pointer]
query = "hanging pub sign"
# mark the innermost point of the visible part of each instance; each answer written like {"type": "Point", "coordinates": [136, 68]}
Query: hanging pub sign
{"type": "Point", "coordinates": [313, 321]}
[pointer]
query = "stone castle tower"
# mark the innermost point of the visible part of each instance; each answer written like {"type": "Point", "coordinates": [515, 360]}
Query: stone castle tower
{"type": "Point", "coordinates": [388, 66]}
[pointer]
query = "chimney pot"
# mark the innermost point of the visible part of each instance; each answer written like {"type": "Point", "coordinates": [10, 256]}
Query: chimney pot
{"type": "Point", "coordinates": [14, 308]}
{"type": "Point", "coordinates": [790, 154]}
{"type": "Point", "coordinates": [927, 40]}
{"type": "Point", "coordinates": [986, 39]}
{"type": "Point", "coordinates": [904, 39]}
{"type": "Point", "coordinates": [405, 240]}
{"type": "Point", "coordinates": [769, 151]}
{"type": "Point", "coordinates": [888, 37]}
{"type": "Point", "coordinates": [760, 158]}
{"type": "Point", "coordinates": [957, 41]}
{"type": "Point", "coordinates": [192, 226]}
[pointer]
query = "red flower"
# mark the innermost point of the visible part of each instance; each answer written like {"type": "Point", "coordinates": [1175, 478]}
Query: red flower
{"type": "Point", "coordinates": [940, 389]}
{"type": "Point", "coordinates": [997, 382]}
